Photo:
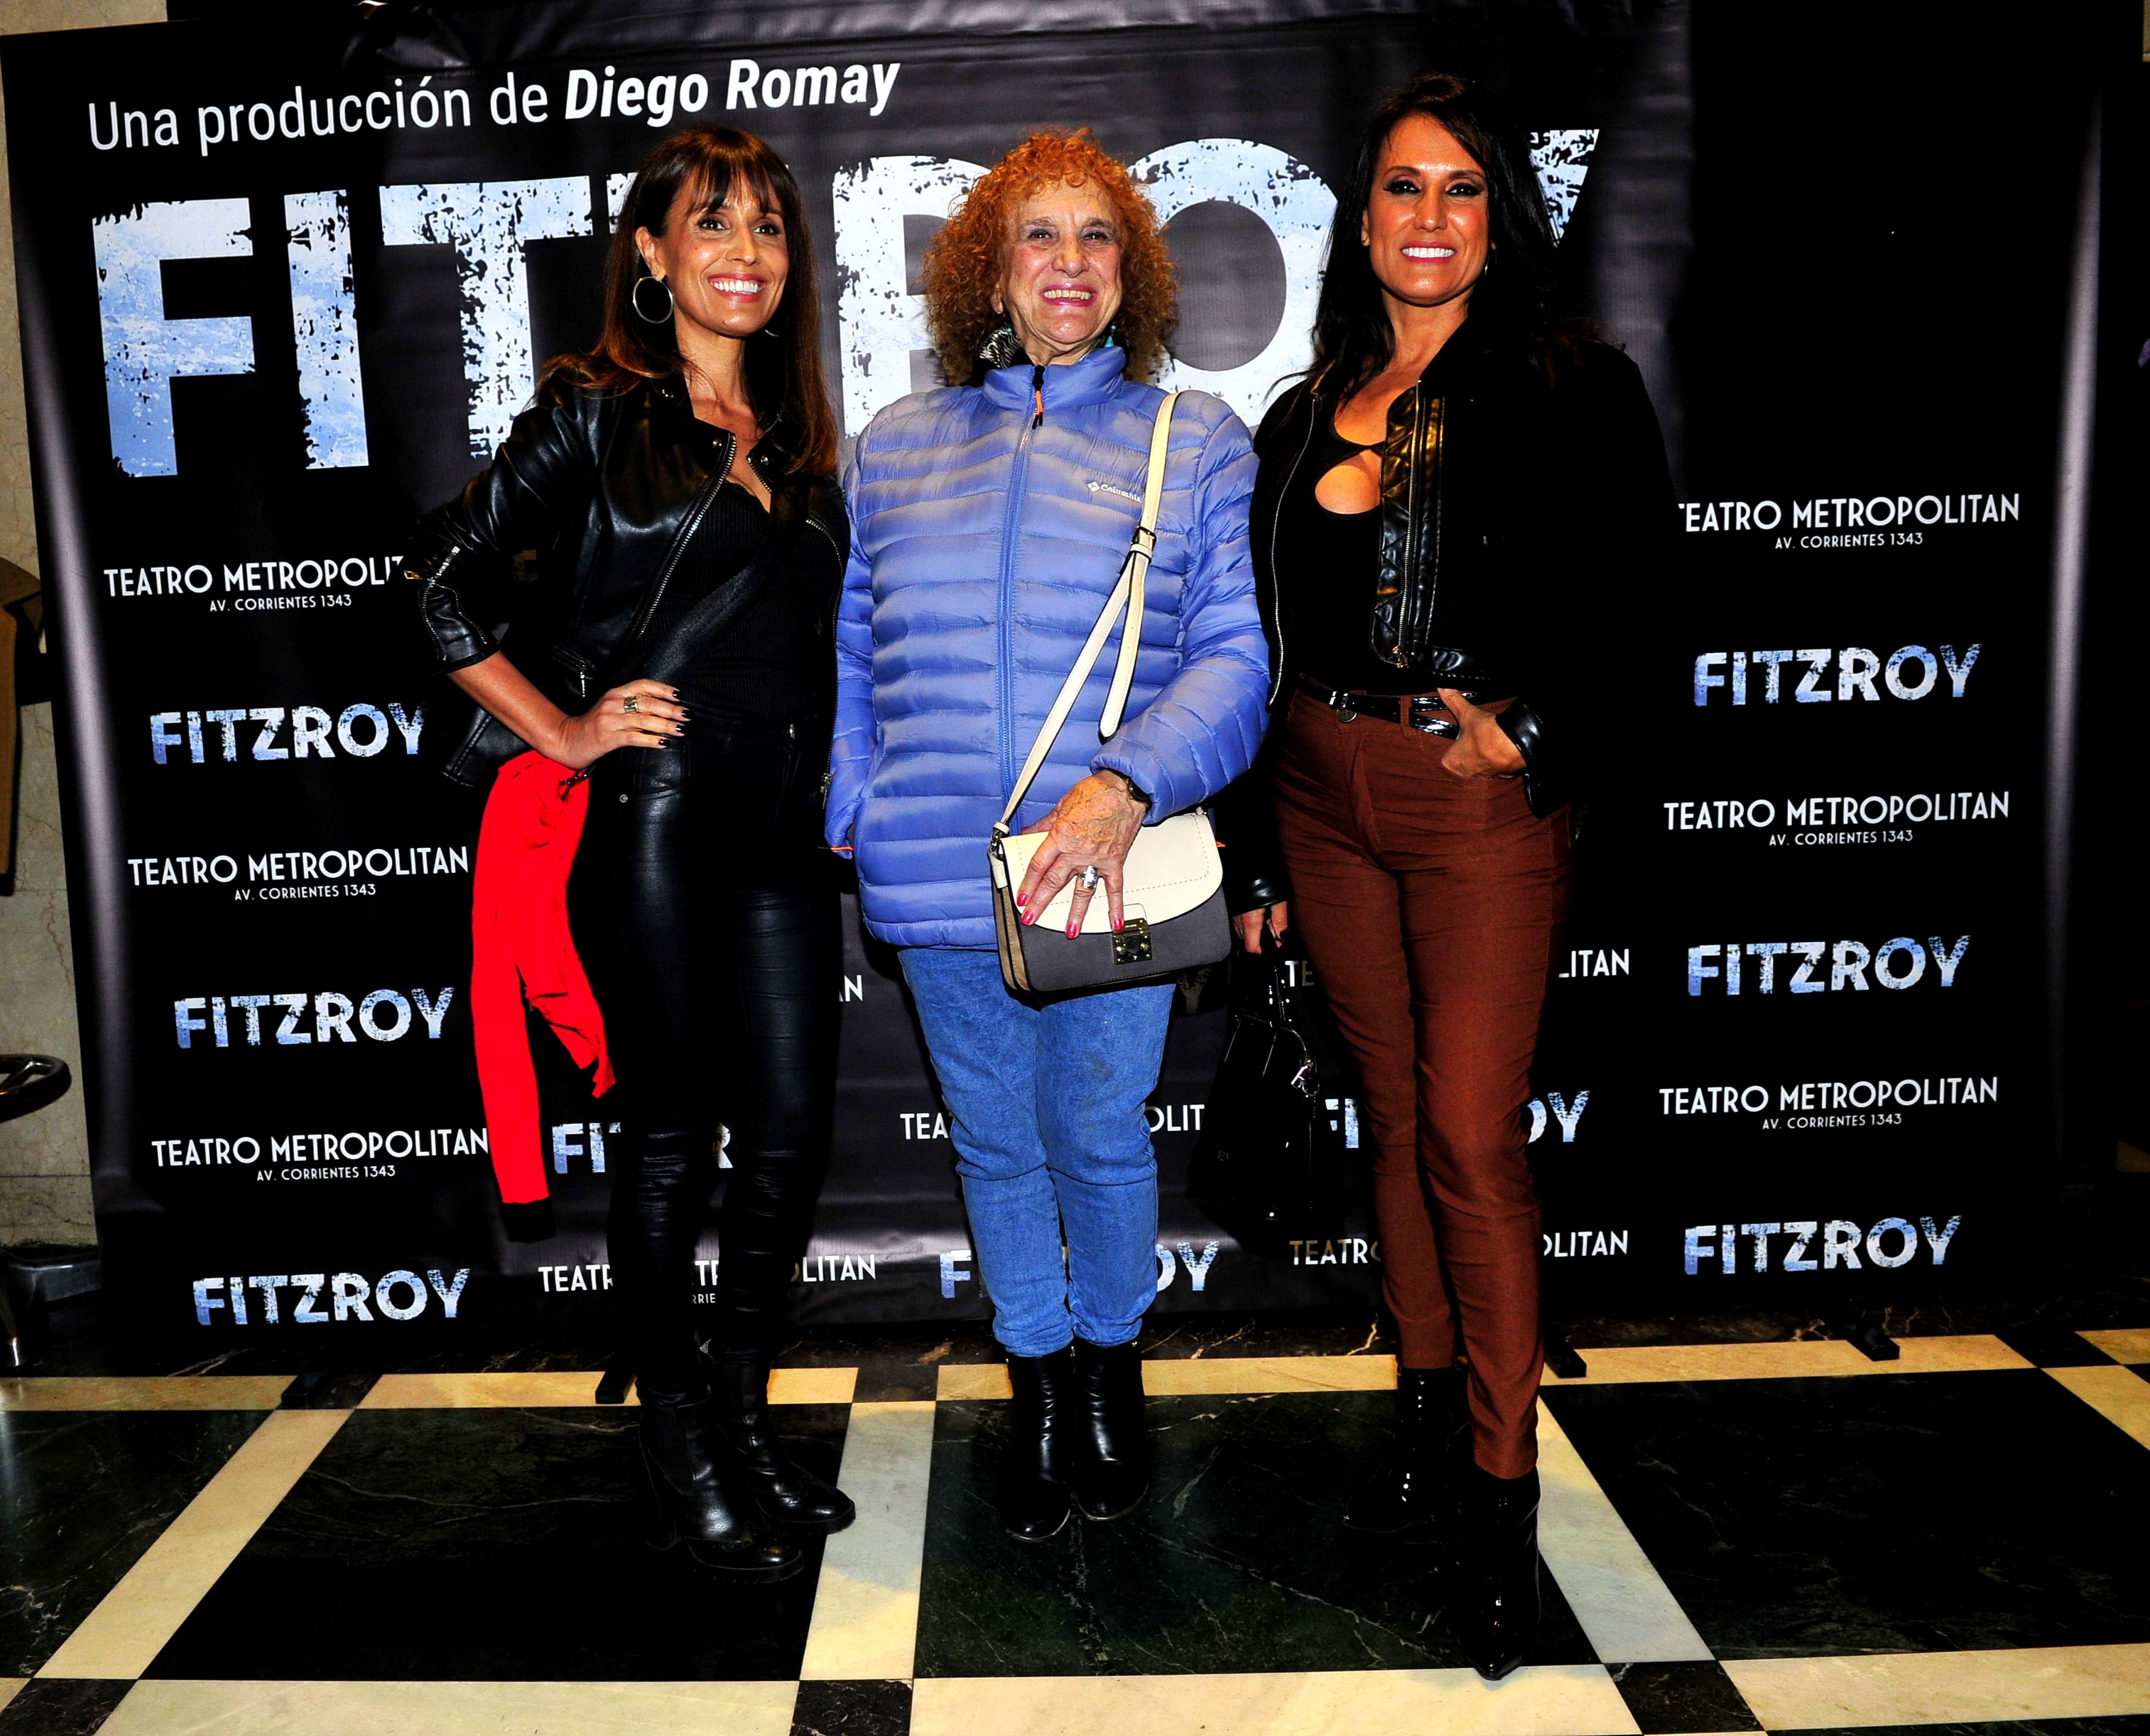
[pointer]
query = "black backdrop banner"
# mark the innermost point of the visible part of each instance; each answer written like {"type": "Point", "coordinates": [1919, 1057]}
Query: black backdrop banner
{"type": "Point", "coordinates": [279, 296]}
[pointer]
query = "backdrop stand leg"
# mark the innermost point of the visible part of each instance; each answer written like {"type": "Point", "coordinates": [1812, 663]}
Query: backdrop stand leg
{"type": "Point", "coordinates": [1561, 1356]}
{"type": "Point", "coordinates": [1868, 1339]}
{"type": "Point", "coordinates": [612, 1387]}
{"type": "Point", "coordinates": [12, 1355]}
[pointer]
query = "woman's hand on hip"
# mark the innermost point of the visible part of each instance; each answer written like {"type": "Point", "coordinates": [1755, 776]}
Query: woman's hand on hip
{"type": "Point", "coordinates": [1482, 748]}
{"type": "Point", "coordinates": [1094, 826]}
{"type": "Point", "coordinates": [639, 715]}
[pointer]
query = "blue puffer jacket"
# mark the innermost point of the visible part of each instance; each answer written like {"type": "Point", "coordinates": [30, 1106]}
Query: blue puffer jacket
{"type": "Point", "coordinates": [982, 551]}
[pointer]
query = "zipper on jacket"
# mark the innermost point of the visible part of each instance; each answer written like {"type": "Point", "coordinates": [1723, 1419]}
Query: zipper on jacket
{"type": "Point", "coordinates": [1428, 458]}
{"type": "Point", "coordinates": [1276, 578]}
{"type": "Point", "coordinates": [1417, 449]}
{"type": "Point", "coordinates": [1008, 530]}
{"type": "Point", "coordinates": [835, 609]}
{"type": "Point", "coordinates": [688, 526]}
{"type": "Point", "coordinates": [580, 670]}
{"type": "Point", "coordinates": [1037, 393]}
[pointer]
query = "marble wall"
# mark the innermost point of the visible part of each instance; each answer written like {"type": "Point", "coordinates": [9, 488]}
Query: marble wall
{"type": "Point", "coordinates": [44, 1157]}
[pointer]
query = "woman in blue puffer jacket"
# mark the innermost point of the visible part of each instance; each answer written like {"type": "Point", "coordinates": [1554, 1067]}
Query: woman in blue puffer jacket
{"type": "Point", "coordinates": [989, 521]}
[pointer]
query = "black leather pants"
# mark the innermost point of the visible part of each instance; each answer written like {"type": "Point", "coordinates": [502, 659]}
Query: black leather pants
{"type": "Point", "coordinates": [716, 960]}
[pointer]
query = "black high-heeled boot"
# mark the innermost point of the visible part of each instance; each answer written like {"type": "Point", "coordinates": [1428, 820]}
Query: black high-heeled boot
{"type": "Point", "coordinates": [683, 1455]}
{"type": "Point", "coordinates": [1415, 1485]}
{"type": "Point", "coordinates": [1108, 1459]}
{"type": "Point", "coordinates": [787, 1494]}
{"type": "Point", "coordinates": [1033, 1485]}
{"type": "Point", "coordinates": [1497, 1607]}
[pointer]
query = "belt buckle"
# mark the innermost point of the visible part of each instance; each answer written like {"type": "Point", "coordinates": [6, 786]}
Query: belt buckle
{"type": "Point", "coordinates": [1435, 721]}
{"type": "Point", "coordinates": [1345, 708]}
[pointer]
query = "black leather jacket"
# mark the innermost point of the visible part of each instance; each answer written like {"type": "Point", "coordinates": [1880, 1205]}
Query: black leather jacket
{"type": "Point", "coordinates": [1525, 517]}
{"type": "Point", "coordinates": [607, 486]}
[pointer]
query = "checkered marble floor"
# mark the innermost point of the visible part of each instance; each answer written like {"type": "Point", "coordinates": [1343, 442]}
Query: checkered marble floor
{"type": "Point", "coordinates": [1775, 1536]}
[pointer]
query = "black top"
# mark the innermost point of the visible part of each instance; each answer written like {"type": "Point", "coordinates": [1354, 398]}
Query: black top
{"type": "Point", "coordinates": [1532, 521]}
{"type": "Point", "coordinates": [774, 661]}
{"type": "Point", "coordinates": [600, 480]}
{"type": "Point", "coordinates": [1325, 565]}
{"type": "Point", "coordinates": [1531, 514]}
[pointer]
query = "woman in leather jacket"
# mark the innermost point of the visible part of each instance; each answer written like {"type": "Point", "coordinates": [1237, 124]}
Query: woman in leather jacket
{"type": "Point", "coordinates": [1456, 509]}
{"type": "Point", "coordinates": [676, 485]}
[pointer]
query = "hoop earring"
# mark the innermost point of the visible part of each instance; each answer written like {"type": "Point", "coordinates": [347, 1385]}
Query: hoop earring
{"type": "Point", "coordinates": [1002, 349]}
{"type": "Point", "coordinates": [634, 302]}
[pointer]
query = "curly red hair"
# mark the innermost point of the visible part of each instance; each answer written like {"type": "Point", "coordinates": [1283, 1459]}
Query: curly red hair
{"type": "Point", "coordinates": [967, 259]}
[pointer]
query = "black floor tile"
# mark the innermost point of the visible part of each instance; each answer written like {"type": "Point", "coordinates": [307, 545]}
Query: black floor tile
{"type": "Point", "coordinates": [1236, 1561]}
{"type": "Point", "coordinates": [1342, 1332]}
{"type": "Point", "coordinates": [58, 1706]}
{"type": "Point", "coordinates": [882, 1383]}
{"type": "Point", "coordinates": [2052, 1346]}
{"type": "Point", "coordinates": [83, 1494]}
{"type": "Point", "coordinates": [491, 1545]}
{"type": "Point", "coordinates": [1671, 1699]}
{"type": "Point", "coordinates": [1885, 1513]}
{"type": "Point", "coordinates": [926, 1344]}
{"type": "Point", "coordinates": [2120, 1726]}
{"type": "Point", "coordinates": [852, 1708]}
{"type": "Point", "coordinates": [534, 1353]}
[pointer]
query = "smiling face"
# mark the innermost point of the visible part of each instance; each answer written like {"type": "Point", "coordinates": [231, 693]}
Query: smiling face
{"type": "Point", "coordinates": [726, 264]}
{"type": "Point", "coordinates": [1060, 286]}
{"type": "Point", "coordinates": [1426, 227]}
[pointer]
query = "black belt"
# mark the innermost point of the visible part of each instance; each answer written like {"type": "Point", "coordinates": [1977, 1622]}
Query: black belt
{"type": "Point", "coordinates": [1422, 712]}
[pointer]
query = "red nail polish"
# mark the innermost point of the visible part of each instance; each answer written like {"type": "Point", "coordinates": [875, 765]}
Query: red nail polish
{"type": "Point", "coordinates": [1074, 928]}
{"type": "Point", "coordinates": [1118, 924]}
{"type": "Point", "coordinates": [1022, 899]}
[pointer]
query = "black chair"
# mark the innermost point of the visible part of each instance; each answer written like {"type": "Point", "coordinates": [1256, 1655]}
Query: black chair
{"type": "Point", "coordinates": [28, 1083]}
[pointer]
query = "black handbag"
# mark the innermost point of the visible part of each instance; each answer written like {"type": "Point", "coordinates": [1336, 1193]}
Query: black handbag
{"type": "Point", "coordinates": [1269, 1165]}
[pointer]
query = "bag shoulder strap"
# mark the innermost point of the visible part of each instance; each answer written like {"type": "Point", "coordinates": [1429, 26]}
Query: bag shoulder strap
{"type": "Point", "coordinates": [1135, 571]}
{"type": "Point", "coordinates": [1126, 594]}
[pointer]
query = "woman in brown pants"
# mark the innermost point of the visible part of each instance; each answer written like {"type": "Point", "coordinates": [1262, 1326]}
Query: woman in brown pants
{"type": "Point", "coordinates": [1449, 508]}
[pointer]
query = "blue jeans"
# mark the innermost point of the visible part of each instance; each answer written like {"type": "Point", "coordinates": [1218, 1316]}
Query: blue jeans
{"type": "Point", "coordinates": [1048, 1104]}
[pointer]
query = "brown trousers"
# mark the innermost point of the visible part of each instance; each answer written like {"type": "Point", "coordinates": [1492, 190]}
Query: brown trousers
{"type": "Point", "coordinates": [1431, 907]}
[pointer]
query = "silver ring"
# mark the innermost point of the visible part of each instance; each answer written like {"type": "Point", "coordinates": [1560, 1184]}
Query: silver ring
{"type": "Point", "coordinates": [1088, 878]}
{"type": "Point", "coordinates": [633, 702]}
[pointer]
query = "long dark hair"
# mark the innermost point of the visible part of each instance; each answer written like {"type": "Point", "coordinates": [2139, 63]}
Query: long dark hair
{"type": "Point", "coordinates": [783, 382]}
{"type": "Point", "coordinates": [1353, 340]}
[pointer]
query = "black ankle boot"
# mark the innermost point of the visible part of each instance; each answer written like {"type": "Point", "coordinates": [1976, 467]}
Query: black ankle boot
{"type": "Point", "coordinates": [1033, 1491]}
{"type": "Point", "coordinates": [787, 1494]}
{"type": "Point", "coordinates": [1415, 1485]}
{"type": "Point", "coordinates": [1497, 1606]}
{"type": "Point", "coordinates": [684, 1456]}
{"type": "Point", "coordinates": [1109, 1461]}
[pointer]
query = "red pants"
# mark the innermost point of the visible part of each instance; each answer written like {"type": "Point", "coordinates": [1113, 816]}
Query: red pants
{"type": "Point", "coordinates": [1431, 907]}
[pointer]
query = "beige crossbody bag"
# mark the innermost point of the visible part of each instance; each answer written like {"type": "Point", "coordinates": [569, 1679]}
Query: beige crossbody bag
{"type": "Point", "coordinates": [1172, 887]}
